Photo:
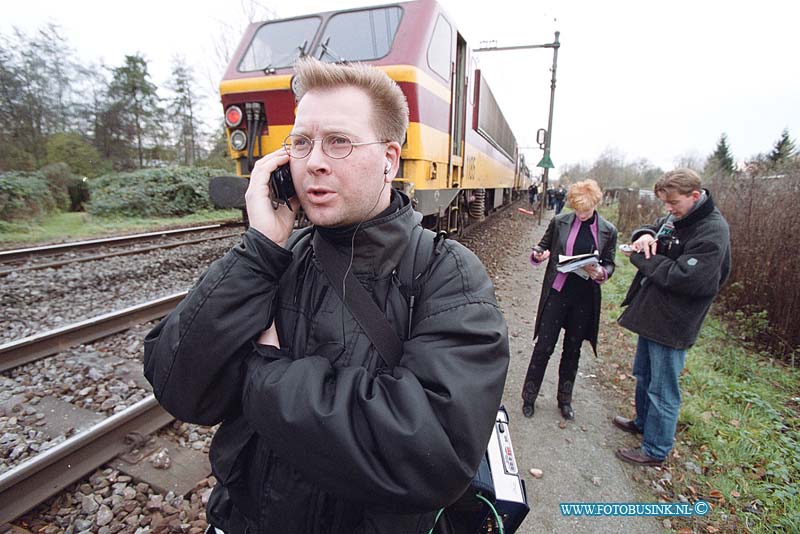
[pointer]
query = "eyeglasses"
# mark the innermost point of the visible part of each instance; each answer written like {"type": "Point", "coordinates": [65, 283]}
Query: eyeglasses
{"type": "Point", "coordinates": [336, 146]}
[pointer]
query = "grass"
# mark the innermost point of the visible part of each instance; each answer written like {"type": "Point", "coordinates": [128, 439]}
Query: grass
{"type": "Point", "coordinates": [738, 440]}
{"type": "Point", "coordinates": [69, 226]}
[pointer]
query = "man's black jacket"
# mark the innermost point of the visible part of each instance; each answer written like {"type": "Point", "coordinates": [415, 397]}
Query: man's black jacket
{"type": "Point", "coordinates": [317, 436]}
{"type": "Point", "coordinates": [670, 296]}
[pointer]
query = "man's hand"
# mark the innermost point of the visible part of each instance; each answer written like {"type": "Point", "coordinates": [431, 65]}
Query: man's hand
{"type": "Point", "coordinates": [276, 224]}
{"type": "Point", "coordinates": [647, 244]}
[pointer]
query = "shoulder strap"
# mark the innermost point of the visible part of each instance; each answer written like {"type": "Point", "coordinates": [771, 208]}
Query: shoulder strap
{"type": "Point", "coordinates": [413, 266]}
{"type": "Point", "coordinates": [371, 319]}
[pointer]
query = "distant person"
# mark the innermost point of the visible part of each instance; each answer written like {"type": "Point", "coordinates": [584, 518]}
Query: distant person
{"type": "Point", "coordinates": [321, 432]}
{"type": "Point", "coordinates": [533, 191]}
{"type": "Point", "coordinates": [569, 301]}
{"type": "Point", "coordinates": [560, 196]}
{"type": "Point", "coordinates": [683, 260]}
{"type": "Point", "coordinates": [551, 198]}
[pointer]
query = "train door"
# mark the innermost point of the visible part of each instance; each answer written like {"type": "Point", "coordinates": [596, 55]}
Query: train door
{"type": "Point", "coordinates": [458, 102]}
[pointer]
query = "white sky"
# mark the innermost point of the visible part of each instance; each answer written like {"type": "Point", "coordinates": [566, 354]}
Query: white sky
{"type": "Point", "coordinates": [645, 79]}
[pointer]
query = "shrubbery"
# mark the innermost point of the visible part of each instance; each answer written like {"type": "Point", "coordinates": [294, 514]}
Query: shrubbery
{"type": "Point", "coordinates": [77, 152]}
{"type": "Point", "coordinates": [171, 191]}
{"type": "Point", "coordinates": [635, 210]}
{"type": "Point", "coordinates": [152, 192]}
{"type": "Point", "coordinates": [24, 195]}
{"type": "Point", "coordinates": [764, 283]}
{"type": "Point", "coordinates": [69, 191]}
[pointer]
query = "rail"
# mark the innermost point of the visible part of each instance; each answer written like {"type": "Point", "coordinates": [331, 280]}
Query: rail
{"type": "Point", "coordinates": [25, 350]}
{"type": "Point", "coordinates": [19, 254]}
{"type": "Point", "coordinates": [33, 482]}
{"type": "Point", "coordinates": [143, 250]}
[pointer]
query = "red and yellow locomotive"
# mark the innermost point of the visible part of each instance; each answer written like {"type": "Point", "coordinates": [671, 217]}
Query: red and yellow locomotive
{"type": "Point", "coordinates": [460, 159]}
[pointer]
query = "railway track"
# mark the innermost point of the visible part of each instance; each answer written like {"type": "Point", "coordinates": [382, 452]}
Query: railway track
{"type": "Point", "coordinates": [28, 252]}
{"type": "Point", "coordinates": [34, 481]}
{"type": "Point", "coordinates": [48, 473]}
{"type": "Point", "coordinates": [29, 349]}
{"type": "Point", "coordinates": [31, 258]}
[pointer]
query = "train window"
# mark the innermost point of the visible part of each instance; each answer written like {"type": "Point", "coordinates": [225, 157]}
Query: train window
{"type": "Point", "coordinates": [440, 48]}
{"type": "Point", "coordinates": [473, 66]}
{"type": "Point", "coordinates": [491, 122]}
{"type": "Point", "coordinates": [359, 35]}
{"type": "Point", "coordinates": [279, 44]}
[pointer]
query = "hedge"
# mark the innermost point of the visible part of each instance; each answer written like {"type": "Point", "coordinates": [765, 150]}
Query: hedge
{"type": "Point", "coordinates": [152, 192]}
{"type": "Point", "coordinates": [24, 195]}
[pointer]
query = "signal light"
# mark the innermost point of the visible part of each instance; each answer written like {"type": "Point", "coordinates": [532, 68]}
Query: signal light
{"type": "Point", "coordinates": [233, 116]}
{"type": "Point", "coordinates": [238, 140]}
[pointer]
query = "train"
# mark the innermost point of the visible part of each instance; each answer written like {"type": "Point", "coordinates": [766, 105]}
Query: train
{"type": "Point", "coordinates": [460, 160]}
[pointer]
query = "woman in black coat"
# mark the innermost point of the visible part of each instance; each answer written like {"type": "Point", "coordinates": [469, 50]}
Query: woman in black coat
{"type": "Point", "coordinates": [569, 300]}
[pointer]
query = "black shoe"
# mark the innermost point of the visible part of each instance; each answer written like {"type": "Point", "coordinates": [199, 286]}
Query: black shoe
{"type": "Point", "coordinates": [566, 412]}
{"type": "Point", "coordinates": [527, 409]}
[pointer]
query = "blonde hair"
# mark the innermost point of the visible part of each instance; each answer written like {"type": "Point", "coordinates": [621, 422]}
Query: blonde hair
{"type": "Point", "coordinates": [584, 195]}
{"type": "Point", "coordinates": [389, 106]}
{"type": "Point", "coordinates": [682, 181]}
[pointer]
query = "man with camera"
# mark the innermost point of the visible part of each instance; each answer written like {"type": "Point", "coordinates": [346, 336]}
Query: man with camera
{"type": "Point", "coordinates": [319, 433]}
{"type": "Point", "coordinates": [682, 260]}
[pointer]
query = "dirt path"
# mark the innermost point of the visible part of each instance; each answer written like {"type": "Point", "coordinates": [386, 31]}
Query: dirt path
{"type": "Point", "coordinates": [578, 461]}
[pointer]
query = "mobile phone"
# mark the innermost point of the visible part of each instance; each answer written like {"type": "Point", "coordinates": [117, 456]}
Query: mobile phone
{"type": "Point", "coordinates": [626, 248]}
{"type": "Point", "coordinates": [281, 187]}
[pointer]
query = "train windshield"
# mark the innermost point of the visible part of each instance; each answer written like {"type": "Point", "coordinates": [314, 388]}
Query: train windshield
{"type": "Point", "coordinates": [359, 35]}
{"type": "Point", "coordinates": [279, 44]}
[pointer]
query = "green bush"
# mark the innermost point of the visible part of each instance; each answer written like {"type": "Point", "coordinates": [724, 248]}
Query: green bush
{"type": "Point", "coordinates": [24, 195]}
{"type": "Point", "coordinates": [69, 191]}
{"type": "Point", "coordinates": [59, 177]}
{"type": "Point", "coordinates": [167, 191]}
{"type": "Point", "coordinates": [77, 152]}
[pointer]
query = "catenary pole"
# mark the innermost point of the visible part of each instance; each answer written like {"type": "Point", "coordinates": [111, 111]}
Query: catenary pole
{"type": "Point", "coordinates": [546, 162]}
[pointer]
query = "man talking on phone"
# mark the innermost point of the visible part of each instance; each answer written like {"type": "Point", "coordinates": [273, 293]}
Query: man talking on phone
{"type": "Point", "coordinates": [318, 433]}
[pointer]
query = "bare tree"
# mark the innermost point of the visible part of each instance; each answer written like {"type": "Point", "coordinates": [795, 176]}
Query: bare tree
{"type": "Point", "coordinates": [691, 160]}
{"type": "Point", "coordinates": [230, 35]}
{"type": "Point", "coordinates": [37, 98]}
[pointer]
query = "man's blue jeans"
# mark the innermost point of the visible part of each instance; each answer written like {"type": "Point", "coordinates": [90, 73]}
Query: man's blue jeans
{"type": "Point", "coordinates": [658, 395]}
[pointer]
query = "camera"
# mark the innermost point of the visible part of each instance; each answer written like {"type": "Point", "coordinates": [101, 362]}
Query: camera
{"type": "Point", "coordinates": [669, 246]}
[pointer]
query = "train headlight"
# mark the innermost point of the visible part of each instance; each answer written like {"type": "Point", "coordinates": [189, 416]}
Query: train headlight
{"type": "Point", "coordinates": [233, 116]}
{"type": "Point", "coordinates": [238, 140]}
